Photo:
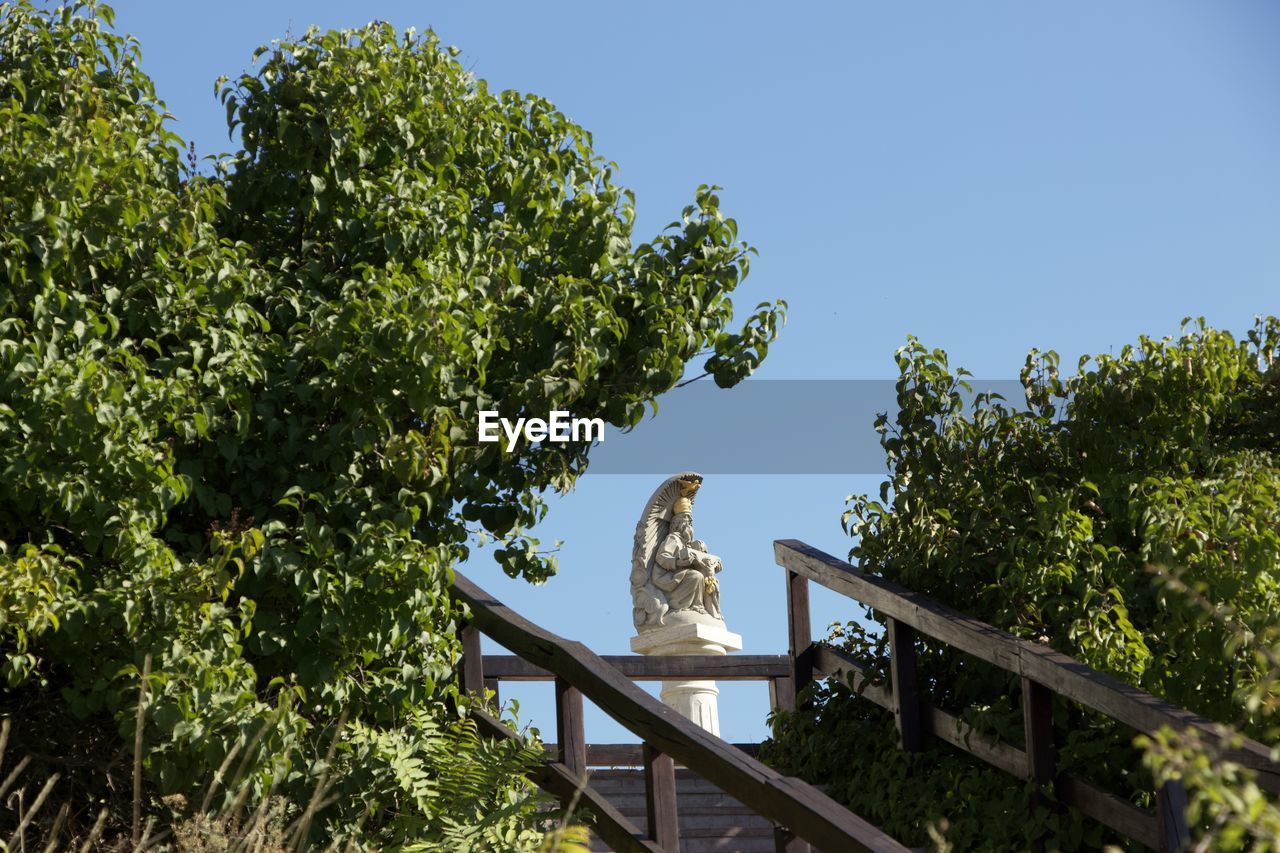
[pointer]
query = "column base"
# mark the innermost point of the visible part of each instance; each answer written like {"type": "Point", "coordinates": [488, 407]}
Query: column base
{"type": "Point", "coordinates": [688, 638]}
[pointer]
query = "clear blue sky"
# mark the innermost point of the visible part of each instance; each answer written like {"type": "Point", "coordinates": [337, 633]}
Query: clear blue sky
{"type": "Point", "coordinates": [989, 176]}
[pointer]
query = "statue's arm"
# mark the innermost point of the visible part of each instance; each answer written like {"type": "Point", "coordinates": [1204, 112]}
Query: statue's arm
{"type": "Point", "coordinates": [673, 554]}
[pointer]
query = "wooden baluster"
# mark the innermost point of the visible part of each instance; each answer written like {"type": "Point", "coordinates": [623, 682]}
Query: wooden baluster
{"type": "Point", "coordinates": [1171, 809]}
{"type": "Point", "coordinates": [1037, 728]}
{"type": "Point", "coordinates": [906, 695]}
{"type": "Point", "coordinates": [471, 668]}
{"type": "Point", "coordinates": [1037, 724]}
{"type": "Point", "coordinates": [800, 635]}
{"type": "Point", "coordinates": [569, 730]}
{"type": "Point", "coordinates": [660, 798]}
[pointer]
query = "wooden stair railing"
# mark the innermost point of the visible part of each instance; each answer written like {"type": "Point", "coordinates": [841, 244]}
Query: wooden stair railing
{"type": "Point", "coordinates": [774, 669]}
{"type": "Point", "coordinates": [802, 813]}
{"type": "Point", "coordinates": [1044, 673]}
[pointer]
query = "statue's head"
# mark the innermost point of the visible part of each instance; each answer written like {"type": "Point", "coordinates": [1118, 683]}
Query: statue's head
{"type": "Point", "coordinates": [682, 523]}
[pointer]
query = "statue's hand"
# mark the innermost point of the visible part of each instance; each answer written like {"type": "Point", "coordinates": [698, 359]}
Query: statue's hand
{"type": "Point", "coordinates": [714, 562]}
{"type": "Point", "coordinates": [698, 545]}
{"type": "Point", "coordinates": [706, 564]}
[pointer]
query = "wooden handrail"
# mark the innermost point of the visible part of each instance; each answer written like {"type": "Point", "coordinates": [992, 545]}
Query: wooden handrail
{"type": "Point", "coordinates": [1061, 674]}
{"type": "Point", "coordinates": [789, 802]}
{"type": "Point", "coordinates": [1043, 672]}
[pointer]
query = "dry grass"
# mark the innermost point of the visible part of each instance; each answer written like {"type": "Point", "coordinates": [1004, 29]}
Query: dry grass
{"type": "Point", "coordinates": [28, 821]}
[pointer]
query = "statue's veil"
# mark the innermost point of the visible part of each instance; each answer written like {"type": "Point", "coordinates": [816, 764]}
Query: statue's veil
{"type": "Point", "coordinates": [649, 602]}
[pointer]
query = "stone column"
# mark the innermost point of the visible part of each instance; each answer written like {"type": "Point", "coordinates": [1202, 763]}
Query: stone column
{"type": "Point", "coordinates": [694, 699]}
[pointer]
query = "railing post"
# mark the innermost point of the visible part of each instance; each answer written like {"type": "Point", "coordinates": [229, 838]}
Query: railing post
{"type": "Point", "coordinates": [800, 635]}
{"type": "Point", "coordinates": [1037, 726]}
{"type": "Point", "coordinates": [660, 798]}
{"type": "Point", "coordinates": [906, 695]}
{"type": "Point", "coordinates": [1037, 730]}
{"type": "Point", "coordinates": [471, 667]}
{"type": "Point", "coordinates": [1171, 808]}
{"type": "Point", "coordinates": [569, 729]}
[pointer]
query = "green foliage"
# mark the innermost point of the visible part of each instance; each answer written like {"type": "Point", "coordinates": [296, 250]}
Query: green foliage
{"type": "Point", "coordinates": [441, 785]}
{"type": "Point", "coordinates": [1225, 799]}
{"type": "Point", "coordinates": [1098, 518]}
{"type": "Point", "coordinates": [848, 743]}
{"type": "Point", "coordinates": [237, 410]}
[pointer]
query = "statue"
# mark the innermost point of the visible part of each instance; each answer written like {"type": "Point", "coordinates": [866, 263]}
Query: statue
{"type": "Point", "coordinates": [672, 574]}
{"type": "Point", "coordinates": [676, 598]}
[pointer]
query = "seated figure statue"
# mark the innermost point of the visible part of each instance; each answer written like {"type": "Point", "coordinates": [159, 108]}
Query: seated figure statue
{"type": "Point", "coordinates": [686, 572]}
{"type": "Point", "coordinates": [673, 576]}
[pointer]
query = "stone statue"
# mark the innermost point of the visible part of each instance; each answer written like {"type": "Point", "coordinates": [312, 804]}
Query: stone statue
{"type": "Point", "coordinates": [676, 598]}
{"type": "Point", "coordinates": [673, 577]}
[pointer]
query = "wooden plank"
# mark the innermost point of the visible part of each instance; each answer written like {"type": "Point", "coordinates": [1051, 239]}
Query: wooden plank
{"type": "Point", "coordinates": [609, 823]}
{"type": "Point", "coordinates": [1109, 810]}
{"type": "Point", "coordinates": [660, 798]}
{"type": "Point", "coordinates": [799, 634]}
{"type": "Point", "coordinates": [906, 693]}
{"type": "Point", "coordinates": [644, 668]}
{"type": "Point", "coordinates": [837, 664]}
{"type": "Point", "coordinates": [980, 745]}
{"type": "Point", "coordinates": [471, 667]}
{"type": "Point", "coordinates": [1060, 673]}
{"type": "Point", "coordinates": [569, 728]}
{"type": "Point", "coordinates": [629, 754]}
{"type": "Point", "coordinates": [829, 662]}
{"type": "Point", "coordinates": [790, 802]}
{"type": "Point", "coordinates": [1171, 807]}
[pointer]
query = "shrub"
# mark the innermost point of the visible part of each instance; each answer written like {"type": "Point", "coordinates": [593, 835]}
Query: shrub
{"type": "Point", "coordinates": [1098, 518]}
{"type": "Point", "coordinates": [237, 407]}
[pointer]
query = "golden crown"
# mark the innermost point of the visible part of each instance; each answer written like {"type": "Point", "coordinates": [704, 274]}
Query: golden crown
{"type": "Point", "coordinates": [688, 488]}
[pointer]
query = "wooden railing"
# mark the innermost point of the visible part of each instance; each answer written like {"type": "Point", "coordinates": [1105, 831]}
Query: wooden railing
{"type": "Point", "coordinates": [1043, 671]}
{"type": "Point", "coordinates": [802, 813]}
{"type": "Point", "coordinates": [775, 670]}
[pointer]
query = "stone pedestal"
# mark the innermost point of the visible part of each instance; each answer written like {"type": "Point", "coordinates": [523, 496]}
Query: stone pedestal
{"type": "Point", "coordinates": [694, 699]}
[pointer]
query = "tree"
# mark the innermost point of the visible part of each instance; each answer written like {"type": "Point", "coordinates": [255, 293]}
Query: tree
{"type": "Point", "coordinates": [237, 409]}
{"type": "Point", "coordinates": [1126, 516]}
